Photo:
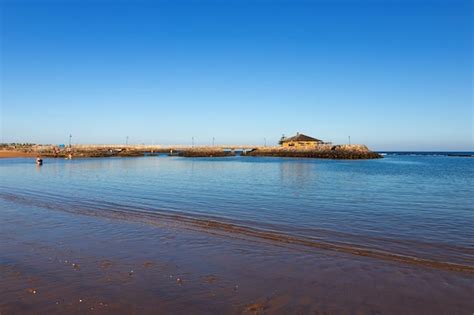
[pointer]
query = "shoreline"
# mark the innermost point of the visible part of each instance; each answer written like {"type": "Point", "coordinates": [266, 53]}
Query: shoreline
{"type": "Point", "coordinates": [219, 226]}
{"type": "Point", "coordinates": [199, 271]}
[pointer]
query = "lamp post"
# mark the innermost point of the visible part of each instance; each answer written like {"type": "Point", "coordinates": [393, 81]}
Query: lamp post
{"type": "Point", "coordinates": [70, 137]}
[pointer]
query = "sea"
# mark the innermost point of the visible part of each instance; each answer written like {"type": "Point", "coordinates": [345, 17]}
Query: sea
{"type": "Point", "coordinates": [414, 207]}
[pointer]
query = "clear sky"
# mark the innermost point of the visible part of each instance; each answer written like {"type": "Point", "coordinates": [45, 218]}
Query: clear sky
{"type": "Point", "coordinates": [391, 74]}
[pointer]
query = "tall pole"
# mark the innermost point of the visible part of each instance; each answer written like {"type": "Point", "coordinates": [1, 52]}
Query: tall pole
{"type": "Point", "coordinates": [349, 139]}
{"type": "Point", "coordinates": [70, 137]}
{"type": "Point", "coordinates": [213, 139]}
{"type": "Point", "coordinates": [192, 142]}
{"type": "Point", "coordinates": [264, 142]}
{"type": "Point", "coordinates": [126, 140]}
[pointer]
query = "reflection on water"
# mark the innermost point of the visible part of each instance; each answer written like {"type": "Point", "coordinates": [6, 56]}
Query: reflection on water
{"type": "Point", "coordinates": [410, 205]}
{"type": "Point", "coordinates": [298, 175]}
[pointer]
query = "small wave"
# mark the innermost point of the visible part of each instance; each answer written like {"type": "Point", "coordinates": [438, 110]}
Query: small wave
{"type": "Point", "coordinates": [216, 226]}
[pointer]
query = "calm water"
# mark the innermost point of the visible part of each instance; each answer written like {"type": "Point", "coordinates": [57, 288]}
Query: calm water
{"type": "Point", "coordinates": [422, 206]}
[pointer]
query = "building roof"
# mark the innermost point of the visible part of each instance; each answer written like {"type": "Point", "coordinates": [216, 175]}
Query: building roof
{"type": "Point", "coordinates": [301, 137]}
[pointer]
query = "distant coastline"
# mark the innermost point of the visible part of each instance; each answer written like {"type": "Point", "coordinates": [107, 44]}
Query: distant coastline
{"type": "Point", "coordinates": [430, 153]}
{"type": "Point", "coordinates": [114, 150]}
{"type": "Point", "coordinates": [326, 151]}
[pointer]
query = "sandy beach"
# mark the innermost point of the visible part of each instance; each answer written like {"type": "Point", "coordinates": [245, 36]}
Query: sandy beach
{"type": "Point", "coordinates": [15, 154]}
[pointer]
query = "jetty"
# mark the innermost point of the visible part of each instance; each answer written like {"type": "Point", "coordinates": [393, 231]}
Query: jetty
{"type": "Point", "coordinates": [321, 151]}
{"type": "Point", "coordinates": [300, 146]}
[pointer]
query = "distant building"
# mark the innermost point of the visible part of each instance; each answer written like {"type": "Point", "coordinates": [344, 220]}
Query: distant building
{"type": "Point", "coordinates": [300, 140]}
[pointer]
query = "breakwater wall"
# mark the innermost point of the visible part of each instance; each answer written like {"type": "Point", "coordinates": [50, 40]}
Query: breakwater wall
{"type": "Point", "coordinates": [323, 151]}
{"type": "Point", "coordinates": [326, 151]}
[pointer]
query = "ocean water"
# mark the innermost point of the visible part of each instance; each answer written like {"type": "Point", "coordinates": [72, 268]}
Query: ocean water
{"type": "Point", "coordinates": [416, 206]}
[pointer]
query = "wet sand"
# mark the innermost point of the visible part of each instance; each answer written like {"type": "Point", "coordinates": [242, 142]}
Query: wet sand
{"type": "Point", "coordinates": [56, 262]}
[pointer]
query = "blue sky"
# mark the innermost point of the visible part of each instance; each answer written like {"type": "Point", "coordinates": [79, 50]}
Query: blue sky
{"type": "Point", "coordinates": [395, 75]}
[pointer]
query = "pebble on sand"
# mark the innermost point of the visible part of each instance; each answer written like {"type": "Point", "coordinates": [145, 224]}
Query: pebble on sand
{"type": "Point", "coordinates": [32, 291]}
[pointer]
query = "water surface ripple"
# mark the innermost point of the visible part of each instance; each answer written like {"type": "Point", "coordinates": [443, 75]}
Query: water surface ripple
{"type": "Point", "coordinates": [417, 209]}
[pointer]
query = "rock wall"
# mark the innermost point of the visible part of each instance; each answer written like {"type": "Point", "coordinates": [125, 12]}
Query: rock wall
{"type": "Point", "coordinates": [205, 153]}
{"type": "Point", "coordinates": [323, 151]}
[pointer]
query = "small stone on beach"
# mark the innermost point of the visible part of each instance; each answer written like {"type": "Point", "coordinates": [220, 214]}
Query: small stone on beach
{"type": "Point", "coordinates": [32, 291]}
